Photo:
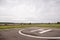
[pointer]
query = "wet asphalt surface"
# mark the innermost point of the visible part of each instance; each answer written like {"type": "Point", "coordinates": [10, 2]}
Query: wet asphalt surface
{"type": "Point", "coordinates": [13, 34]}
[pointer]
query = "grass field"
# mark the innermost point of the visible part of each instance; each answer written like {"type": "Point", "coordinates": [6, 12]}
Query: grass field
{"type": "Point", "coordinates": [30, 25]}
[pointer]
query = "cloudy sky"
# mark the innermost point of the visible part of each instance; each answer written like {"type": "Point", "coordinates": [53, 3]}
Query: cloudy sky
{"type": "Point", "coordinates": [29, 11]}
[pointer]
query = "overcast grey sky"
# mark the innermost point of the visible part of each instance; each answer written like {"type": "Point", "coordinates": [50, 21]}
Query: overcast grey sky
{"type": "Point", "coordinates": [29, 10]}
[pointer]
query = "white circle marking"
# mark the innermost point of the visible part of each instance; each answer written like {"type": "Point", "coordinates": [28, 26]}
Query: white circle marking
{"type": "Point", "coordinates": [37, 36]}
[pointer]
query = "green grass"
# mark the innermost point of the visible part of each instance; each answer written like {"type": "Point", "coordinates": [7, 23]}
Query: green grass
{"type": "Point", "coordinates": [32, 25]}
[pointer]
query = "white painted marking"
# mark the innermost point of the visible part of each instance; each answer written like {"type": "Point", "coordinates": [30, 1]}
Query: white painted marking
{"type": "Point", "coordinates": [37, 36]}
{"type": "Point", "coordinates": [45, 31]}
{"type": "Point", "coordinates": [37, 30]}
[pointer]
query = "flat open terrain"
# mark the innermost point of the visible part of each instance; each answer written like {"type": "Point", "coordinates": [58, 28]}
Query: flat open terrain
{"type": "Point", "coordinates": [14, 33]}
{"type": "Point", "coordinates": [30, 25]}
{"type": "Point", "coordinates": [30, 32]}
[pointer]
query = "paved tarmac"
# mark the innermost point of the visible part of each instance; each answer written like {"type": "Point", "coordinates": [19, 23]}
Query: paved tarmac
{"type": "Point", "coordinates": [14, 33]}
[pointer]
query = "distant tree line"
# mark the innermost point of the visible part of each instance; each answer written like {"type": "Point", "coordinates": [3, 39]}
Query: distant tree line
{"type": "Point", "coordinates": [58, 22]}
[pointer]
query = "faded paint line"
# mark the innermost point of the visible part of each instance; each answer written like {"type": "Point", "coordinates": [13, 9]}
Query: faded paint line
{"type": "Point", "coordinates": [45, 31]}
{"type": "Point", "coordinates": [37, 30]}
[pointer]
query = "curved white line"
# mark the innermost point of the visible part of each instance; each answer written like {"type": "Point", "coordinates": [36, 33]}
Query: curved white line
{"type": "Point", "coordinates": [37, 36]}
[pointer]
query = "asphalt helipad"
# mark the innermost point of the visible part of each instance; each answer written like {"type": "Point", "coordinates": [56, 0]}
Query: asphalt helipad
{"type": "Point", "coordinates": [32, 33]}
{"type": "Point", "coordinates": [45, 33]}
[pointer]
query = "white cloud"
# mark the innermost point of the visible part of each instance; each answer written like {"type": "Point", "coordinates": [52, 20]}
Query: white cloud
{"type": "Point", "coordinates": [30, 10]}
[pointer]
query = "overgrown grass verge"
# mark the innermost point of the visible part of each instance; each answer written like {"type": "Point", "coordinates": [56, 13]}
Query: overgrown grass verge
{"type": "Point", "coordinates": [30, 25]}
